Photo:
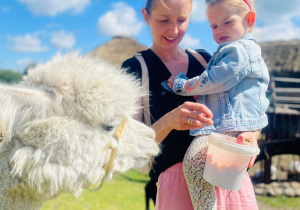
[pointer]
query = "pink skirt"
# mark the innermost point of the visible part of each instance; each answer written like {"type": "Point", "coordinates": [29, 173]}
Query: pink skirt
{"type": "Point", "coordinates": [173, 193]}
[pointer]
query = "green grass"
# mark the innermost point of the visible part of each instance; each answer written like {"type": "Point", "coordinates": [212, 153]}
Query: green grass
{"type": "Point", "coordinates": [280, 202]}
{"type": "Point", "coordinates": [124, 192]}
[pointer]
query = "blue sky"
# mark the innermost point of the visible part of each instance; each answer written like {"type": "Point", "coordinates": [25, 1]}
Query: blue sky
{"type": "Point", "coordinates": [36, 30]}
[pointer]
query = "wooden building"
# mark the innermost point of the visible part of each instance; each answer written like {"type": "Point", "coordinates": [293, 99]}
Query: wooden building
{"type": "Point", "coordinates": [282, 135]}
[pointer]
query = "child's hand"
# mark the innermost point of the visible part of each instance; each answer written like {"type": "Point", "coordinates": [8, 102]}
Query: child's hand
{"type": "Point", "coordinates": [171, 81]}
{"type": "Point", "coordinates": [249, 138]}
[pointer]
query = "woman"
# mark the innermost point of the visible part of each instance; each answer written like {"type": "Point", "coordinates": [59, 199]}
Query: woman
{"type": "Point", "coordinates": [168, 21]}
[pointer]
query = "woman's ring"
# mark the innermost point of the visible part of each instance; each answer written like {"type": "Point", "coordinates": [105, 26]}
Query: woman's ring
{"type": "Point", "coordinates": [190, 121]}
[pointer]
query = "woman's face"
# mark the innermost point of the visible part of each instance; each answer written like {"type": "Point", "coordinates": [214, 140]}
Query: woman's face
{"type": "Point", "coordinates": [168, 22]}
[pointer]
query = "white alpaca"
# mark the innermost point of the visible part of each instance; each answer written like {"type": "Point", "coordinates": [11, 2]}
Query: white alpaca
{"type": "Point", "coordinates": [66, 126]}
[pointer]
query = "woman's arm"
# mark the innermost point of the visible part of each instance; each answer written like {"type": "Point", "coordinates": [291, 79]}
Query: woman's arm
{"type": "Point", "coordinates": [178, 119]}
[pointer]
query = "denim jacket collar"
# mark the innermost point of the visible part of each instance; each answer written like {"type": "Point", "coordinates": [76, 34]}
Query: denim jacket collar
{"type": "Point", "coordinates": [247, 36]}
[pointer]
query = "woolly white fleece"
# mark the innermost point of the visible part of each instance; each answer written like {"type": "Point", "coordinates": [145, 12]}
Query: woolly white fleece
{"type": "Point", "coordinates": [58, 121]}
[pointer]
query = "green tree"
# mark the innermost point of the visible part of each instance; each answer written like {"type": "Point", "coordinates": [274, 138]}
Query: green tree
{"type": "Point", "coordinates": [9, 76]}
{"type": "Point", "coordinates": [29, 67]}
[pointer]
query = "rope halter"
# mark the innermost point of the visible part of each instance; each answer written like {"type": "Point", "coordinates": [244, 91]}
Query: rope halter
{"type": "Point", "coordinates": [108, 166]}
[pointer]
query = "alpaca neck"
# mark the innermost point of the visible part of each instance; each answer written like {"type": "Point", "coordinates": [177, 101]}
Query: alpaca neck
{"type": "Point", "coordinates": [19, 201]}
{"type": "Point", "coordinates": [15, 193]}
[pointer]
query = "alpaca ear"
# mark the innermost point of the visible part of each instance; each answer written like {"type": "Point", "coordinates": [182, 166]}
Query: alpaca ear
{"type": "Point", "coordinates": [15, 102]}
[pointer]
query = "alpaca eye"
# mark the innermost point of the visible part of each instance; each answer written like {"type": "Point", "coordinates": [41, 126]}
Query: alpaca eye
{"type": "Point", "coordinates": [108, 127]}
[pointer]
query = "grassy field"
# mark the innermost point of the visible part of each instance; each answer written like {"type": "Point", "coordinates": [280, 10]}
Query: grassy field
{"type": "Point", "coordinates": [126, 192]}
{"type": "Point", "coordinates": [282, 202]}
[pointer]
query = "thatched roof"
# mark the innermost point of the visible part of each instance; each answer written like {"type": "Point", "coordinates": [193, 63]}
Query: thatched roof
{"type": "Point", "coordinates": [117, 50]}
{"type": "Point", "coordinates": [282, 57]}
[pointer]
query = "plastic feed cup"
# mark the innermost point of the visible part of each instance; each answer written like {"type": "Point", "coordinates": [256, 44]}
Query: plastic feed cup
{"type": "Point", "coordinates": [227, 161]}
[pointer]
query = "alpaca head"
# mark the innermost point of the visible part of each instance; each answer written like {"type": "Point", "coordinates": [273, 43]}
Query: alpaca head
{"type": "Point", "coordinates": [69, 125]}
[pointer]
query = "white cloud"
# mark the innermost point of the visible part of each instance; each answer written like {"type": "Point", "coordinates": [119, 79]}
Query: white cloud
{"type": "Point", "coordinates": [198, 13]}
{"type": "Point", "coordinates": [63, 39]}
{"type": "Point", "coordinates": [189, 42]}
{"type": "Point", "coordinates": [282, 30]}
{"type": "Point", "coordinates": [269, 9]}
{"type": "Point", "coordinates": [24, 62]}
{"type": "Point", "coordinates": [276, 20]}
{"type": "Point", "coordinates": [121, 20]}
{"type": "Point", "coordinates": [27, 43]}
{"type": "Point", "coordinates": [54, 7]}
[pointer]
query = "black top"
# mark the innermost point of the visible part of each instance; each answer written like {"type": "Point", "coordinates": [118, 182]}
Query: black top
{"type": "Point", "coordinates": [162, 101]}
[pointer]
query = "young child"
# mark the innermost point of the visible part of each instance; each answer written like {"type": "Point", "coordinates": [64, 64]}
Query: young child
{"type": "Point", "coordinates": [233, 86]}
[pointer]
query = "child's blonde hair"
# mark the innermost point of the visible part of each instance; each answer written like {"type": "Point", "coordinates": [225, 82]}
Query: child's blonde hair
{"type": "Point", "coordinates": [238, 6]}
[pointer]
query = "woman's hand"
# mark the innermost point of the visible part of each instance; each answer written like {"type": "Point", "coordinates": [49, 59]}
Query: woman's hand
{"type": "Point", "coordinates": [189, 115]}
{"type": "Point", "coordinates": [249, 137]}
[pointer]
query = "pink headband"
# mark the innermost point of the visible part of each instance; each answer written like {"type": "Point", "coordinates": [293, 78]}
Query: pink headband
{"type": "Point", "coordinates": [209, 1]}
{"type": "Point", "coordinates": [248, 4]}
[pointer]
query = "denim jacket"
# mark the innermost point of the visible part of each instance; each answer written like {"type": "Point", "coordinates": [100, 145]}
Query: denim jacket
{"type": "Point", "coordinates": [233, 87]}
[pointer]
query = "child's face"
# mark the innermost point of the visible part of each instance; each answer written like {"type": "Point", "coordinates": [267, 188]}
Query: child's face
{"type": "Point", "coordinates": [226, 25]}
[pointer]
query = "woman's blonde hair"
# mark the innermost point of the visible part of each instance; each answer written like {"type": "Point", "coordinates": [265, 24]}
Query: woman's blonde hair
{"type": "Point", "coordinates": [150, 4]}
